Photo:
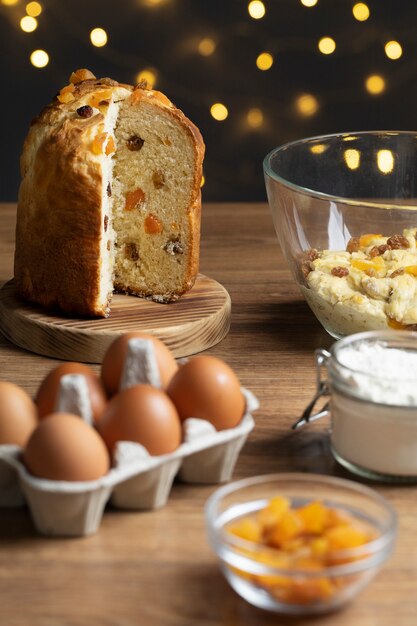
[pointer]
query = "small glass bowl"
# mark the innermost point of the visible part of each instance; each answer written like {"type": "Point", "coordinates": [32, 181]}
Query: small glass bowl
{"type": "Point", "coordinates": [322, 191]}
{"type": "Point", "coordinates": [262, 584]}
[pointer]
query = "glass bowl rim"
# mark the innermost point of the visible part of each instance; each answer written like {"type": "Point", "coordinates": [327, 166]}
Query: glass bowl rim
{"type": "Point", "coordinates": [377, 549]}
{"type": "Point", "coordinates": [268, 171]}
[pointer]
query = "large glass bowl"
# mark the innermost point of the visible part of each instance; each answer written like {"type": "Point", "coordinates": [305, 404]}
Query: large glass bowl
{"type": "Point", "coordinates": [256, 574]}
{"type": "Point", "coordinates": [322, 192]}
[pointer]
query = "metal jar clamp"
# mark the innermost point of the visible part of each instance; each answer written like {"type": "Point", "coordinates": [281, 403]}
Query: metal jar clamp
{"type": "Point", "coordinates": [322, 389]}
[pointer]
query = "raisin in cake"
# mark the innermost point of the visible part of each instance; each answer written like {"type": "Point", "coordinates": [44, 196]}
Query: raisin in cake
{"type": "Point", "coordinates": [110, 198]}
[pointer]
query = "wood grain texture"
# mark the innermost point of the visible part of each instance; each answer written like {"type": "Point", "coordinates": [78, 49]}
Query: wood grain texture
{"type": "Point", "coordinates": [195, 322]}
{"type": "Point", "coordinates": [155, 568]}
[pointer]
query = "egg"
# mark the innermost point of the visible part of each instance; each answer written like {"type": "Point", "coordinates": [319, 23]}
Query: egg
{"type": "Point", "coordinates": [64, 447]}
{"type": "Point", "coordinates": [207, 388]}
{"type": "Point", "coordinates": [114, 359]}
{"type": "Point", "coordinates": [18, 415]}
{"type": "Point", "coordinates": [145, 415]}
{"type": "Point", "coordinates": [47, 394]}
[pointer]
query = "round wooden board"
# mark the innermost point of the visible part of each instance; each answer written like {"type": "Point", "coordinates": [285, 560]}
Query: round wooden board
{"type": "Point", "coordinates": [195, 322]}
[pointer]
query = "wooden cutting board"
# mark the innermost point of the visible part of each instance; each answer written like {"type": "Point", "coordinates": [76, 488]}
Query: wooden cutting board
{"type": "Point", "coordinates": [195, 322]}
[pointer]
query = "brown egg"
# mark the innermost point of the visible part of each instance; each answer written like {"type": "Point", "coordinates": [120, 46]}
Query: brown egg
{"type": "Point", "coordinates": [207, 388]}
{"type": "Point", "coordinates": [48, 390]}
{"type": "Point", "coordinates": [18, 415]}
{"type": "Point", "coordinates": [64, 447]}
{"type": "Point", "coordinates": [113, 362]}
{"type": "Point", "coordinates": [143, 414]}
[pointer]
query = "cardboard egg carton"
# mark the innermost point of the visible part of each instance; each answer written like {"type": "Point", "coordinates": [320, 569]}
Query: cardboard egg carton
{"type": "Point", "coordinates": [137, 481]}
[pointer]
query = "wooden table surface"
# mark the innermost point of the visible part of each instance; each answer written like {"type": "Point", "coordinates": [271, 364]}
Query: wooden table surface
{"type": "Point", "coordinates": [156, 568]}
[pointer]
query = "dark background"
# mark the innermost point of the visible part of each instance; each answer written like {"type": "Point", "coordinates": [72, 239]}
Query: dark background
{"type": "Point", "coordinates": [166, 37]}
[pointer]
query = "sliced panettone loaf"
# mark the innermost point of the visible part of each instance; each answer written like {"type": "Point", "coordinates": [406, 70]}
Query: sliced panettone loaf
{"type": "Point", "coordinates": [110, 198]}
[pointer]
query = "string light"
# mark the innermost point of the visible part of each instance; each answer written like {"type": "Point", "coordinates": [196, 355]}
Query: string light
{"type": "Point", "coordinates": [375, 84]}
{"type": "Point", "coordinates": [393, 50]}
{"type": "Point", "coordinates": [34, 9]}
{"type": "Point", "coordinates": [255, 118]}
{"type": "Point", "coordinates": [256, 9]}
{"type": "Point", "coordinates": [264, 61]}
{"type": "Point", "coordinates": [28, 24]}
{"type": "Point", "coordinates": [98, 37]}
{"type": "Point", "coordinates": [206, 47]}
{"type": "Point", "coordinates": [360, 11]}
{"type": "Point", "coordinates": [9, 3]}
{"type": "Point", "coordinates": [307, 105]}
{"type": "Point", "coordinates": [327, 45]}
{"type": "Point", "coordinates": [385, 161]}
{"type": "Point", "coordinates": [309, 3]}
{"type": "Point", "coordinates": [219, 111]}
{"type": "Point", "coordinates": [39, 58]}
{"type": "Point", "coordinates": [352, 158]}
{"type": "Point", "coordinates": [149, 74]}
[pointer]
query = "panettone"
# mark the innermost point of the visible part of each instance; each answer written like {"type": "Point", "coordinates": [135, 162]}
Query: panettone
{"type": "Point", "coordinates": [110, 198]}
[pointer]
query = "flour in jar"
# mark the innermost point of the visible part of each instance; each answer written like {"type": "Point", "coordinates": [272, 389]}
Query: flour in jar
{"type": "Point", "coordinates": [380, 373]}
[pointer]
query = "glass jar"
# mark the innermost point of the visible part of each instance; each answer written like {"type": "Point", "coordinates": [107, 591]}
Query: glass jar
{"type": "Point", "coordinates": [373, 403]}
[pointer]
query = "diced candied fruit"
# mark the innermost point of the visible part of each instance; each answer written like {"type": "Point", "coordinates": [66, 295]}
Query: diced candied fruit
{"type": "Point", "coordinates": [314, 517]}
{"type": "Point", "coordinates": [134, 199]}
{"type": "Point", "coordinates": [289, 526]}
{"type": "Point", "coordinates": [66, 94]}
{"type": "Point", "coordinates": [248, 529]}
{"type": "Point", "coordinates": [98, 97]}
{"type": "Point", "coordinates": [97, 145]}
{"type": "Point", "coordinates": [301, 543]}
{"type": "Point", "coordinates": [153, 225]}
{"type": "Point", "coordinates": [273, 512]}
{"type": "Point", "coordinates": [335, 517]}
{"type": "Point", "coordinates": [367, 240]}
{"type": "Point", "coordinates": [393, 323]}
{"type": "Point", "coordinates": [410, 269]}
{"type": "Point", "coordinates": [319, 547]}
{"type": "Point", "coordinates": [80, 75]}
{"type": "Point", "coordinates": [376, 264]}
{"type": "Point", "coordinates": [345, 537]}
{"type": "Point", "coordinates": [110, 146]}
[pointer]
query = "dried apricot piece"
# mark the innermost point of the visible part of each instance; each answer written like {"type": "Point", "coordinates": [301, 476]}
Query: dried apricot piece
{"type": "Point", "coordinates": [366, 240]}
{"type": "Point", "coordinates": [80, 75]}
{"type": "Point", "coordinates": [134, 199]}
{"type": "Point", "coordinates": [99, 97]}
{"type": "Point", "coordinates": [346, 537]}
{"type": "Point", "coordinates": [110, 146]}
{"type": "Point", "coordinates": [289, 526]}
{"type": "Point", "coordinates": [248, 529]}
{"type": "Point", "coordinates": [97, 145]}
{"type": "Point", "coordinates": [153, 225]}
{"type": "Point", "coordinates": [313, 516]}
{"type": "Point", "coordinates": [377, 264]}
{"type": "Point", "coordinates": [66, 94]}
{"type": "Point", "coordinates": [273, 512]}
